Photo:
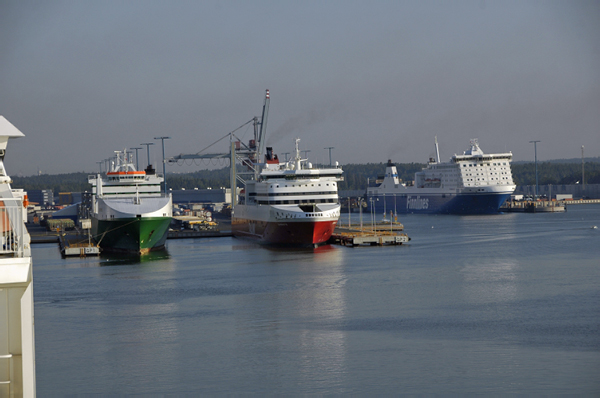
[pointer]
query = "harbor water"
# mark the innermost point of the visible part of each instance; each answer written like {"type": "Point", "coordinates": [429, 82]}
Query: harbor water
{"type": "Point", "coordinates": [507, 303]}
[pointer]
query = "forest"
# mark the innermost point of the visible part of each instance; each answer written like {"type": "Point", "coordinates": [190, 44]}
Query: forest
{"type": "Point", "coordinates": [356, 176]}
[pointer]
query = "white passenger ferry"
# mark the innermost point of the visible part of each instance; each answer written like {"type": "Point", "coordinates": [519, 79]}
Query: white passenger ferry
{"type": "Point", "coordinates": [284, 203]}
{"type": "Point", "coordinates": [471, 183]}
{"type": "Point", "coordinates": [289, 203]}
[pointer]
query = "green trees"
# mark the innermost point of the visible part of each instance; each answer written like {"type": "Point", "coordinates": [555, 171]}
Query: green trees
{"type": "Point", "coordinates": [555, 173]}
{"type": "Point", "coordinates": [71, 182]}
{"type": "Point", "coordinates": [355, 176]}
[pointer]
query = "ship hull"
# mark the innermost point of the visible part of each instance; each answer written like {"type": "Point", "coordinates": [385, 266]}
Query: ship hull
{"type": "Point", "coordinates": [126, 225]}
{"type": "Point", "coordinates": [285, 225]}
{"type": "Point", "coordinates": [429, 203]}
{"type": "Point", "coordinates": [134, 235]}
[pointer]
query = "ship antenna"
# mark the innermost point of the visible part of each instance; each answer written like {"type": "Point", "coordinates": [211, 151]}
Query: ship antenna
{"type": "Point", "coordinates": [298, 158]}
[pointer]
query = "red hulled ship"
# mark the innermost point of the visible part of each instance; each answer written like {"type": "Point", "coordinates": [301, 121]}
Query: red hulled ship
{"type": "Point", "coordinates": [285, 203]}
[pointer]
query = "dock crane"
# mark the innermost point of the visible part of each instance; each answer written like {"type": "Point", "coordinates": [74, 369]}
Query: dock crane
{"type": "Point", "coordinates": [247, 155]}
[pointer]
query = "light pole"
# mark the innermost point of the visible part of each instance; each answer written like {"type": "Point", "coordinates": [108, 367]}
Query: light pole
{"type": "Point", "coordinates": [100, 166]}
{"type": "Point", "coordinates": [286, 155]}
{"type": "Point", "coordinates": [371, 209]}
{"type": "Point", "coordinates": [306, 153]}
{"type": "Point", "coordinates": [330, 148]}
{"type": "Point", "coordinates": [349, 213]}
{"type": "Point", "coordinates": [582, 169]}
{"type": "Point", "coordinates": [163, 150]}
{"type": "Point", "coordinates": [536, 173]}
{"type": "Point", "coordinates": [148, 149]}
{"type": "Point", "coordinates": [360, 202]}
{"type": "Point", "coordinates": [137, 164]}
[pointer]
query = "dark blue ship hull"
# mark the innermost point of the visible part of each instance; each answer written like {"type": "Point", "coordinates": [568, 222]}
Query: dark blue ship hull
{"type": "Point", "coordinates": [438, 204]}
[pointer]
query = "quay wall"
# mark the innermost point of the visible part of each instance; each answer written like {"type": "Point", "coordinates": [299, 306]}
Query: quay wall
{"type": "Point", "coordinates": [591, 191]}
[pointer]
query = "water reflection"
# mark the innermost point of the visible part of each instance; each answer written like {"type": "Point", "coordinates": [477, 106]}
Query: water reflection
{"type": "Point", "coordinates": [490, 281]}
{"type": "Point", "coordinates": [111, 259]}
{"type": "Point", "coordinates": [286, 320]}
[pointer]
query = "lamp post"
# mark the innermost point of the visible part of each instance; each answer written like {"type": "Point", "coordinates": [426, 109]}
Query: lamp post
{"type": "Point", "coordinates": [148, 149]}
{"type": "Point", "coordinates": [536, 173]}
{"type": "Point", "coordinates": [582, 169]}
{"type": "Point", "coordinates": [360, 206]}
{"type": "Point", "coordinates": [137, 164]}
{"type": "Point", "coordinates": [349, 213]}
{"type": "Point", "coordinates": [330, 148]}
{"type": "Point", "coordinates": [163, 159]}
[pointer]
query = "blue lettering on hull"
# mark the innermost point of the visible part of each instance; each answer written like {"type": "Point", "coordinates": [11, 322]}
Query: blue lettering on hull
{"type": "Point", "coordinates": [439, 204]}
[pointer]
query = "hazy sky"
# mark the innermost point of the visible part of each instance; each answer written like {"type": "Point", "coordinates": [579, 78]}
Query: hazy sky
{"type": "Point", "coordinates": [373, 79]}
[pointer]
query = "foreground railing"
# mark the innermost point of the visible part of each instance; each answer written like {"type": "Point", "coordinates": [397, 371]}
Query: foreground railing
{"type": "Point", "coordinates": [12, 227]}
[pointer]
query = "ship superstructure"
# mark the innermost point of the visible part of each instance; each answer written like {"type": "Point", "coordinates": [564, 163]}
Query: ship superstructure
{"type": "Point", "coordinates": [471, 183]}
{"type": "Point", "coordinates": [17, 337]}
{"type": "Point", "coordinates": [129, 212]}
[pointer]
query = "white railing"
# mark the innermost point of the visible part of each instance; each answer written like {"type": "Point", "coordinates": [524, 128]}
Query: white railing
{"type": "Point", "coordinates": [12, 227]}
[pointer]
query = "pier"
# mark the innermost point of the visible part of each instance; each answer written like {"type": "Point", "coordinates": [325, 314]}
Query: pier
{"type": "Point", "coordinates": [378, 235]}
{"type": "Point", "coordinates": [75, 245]}
{"type": "Point", "coordinates": [543, 206]}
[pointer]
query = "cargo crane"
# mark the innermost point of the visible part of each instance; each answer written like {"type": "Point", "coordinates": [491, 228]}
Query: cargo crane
{"type": "Point", "coordinates": [246, 155]}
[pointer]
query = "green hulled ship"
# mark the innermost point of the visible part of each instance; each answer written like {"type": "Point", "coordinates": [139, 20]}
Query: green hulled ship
{"type": "Point", "coordinates": [128, 211]}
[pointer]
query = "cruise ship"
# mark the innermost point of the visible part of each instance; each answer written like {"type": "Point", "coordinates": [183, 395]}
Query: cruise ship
{"type": "Point", "coordinates": [129, 213]}
{"type": "Point", "coordinates": [287, 203]}
{"type": "Point", "coordinates": [471, 183]}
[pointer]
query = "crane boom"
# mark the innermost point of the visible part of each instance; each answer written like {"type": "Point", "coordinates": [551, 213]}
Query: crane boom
{"type": "Point", "coordinates": [263, 127]}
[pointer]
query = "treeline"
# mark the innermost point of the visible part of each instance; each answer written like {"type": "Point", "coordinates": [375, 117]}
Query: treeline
{"type": "Point", "coordinates": [555, 173]}
{"type": "Point", "coordinates": [356, 176]}
{"type": "Point", "coordinates": [71, 182]}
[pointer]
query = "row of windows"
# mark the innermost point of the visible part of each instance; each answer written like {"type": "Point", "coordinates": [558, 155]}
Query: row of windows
{"type": "Point", "coordinates": [300, 185]}
{"type": "Point", "coordinates": [294, 202]}
{"type": "Point", "coordinates": [126, 178]}
{"type": "Point", "coordinates": [300, 176]}
{"type": "Point", "coordinates": [130, 194]}
{"type": "Point", "coordinates": [483, 179]}
{"type": "Point", "coordinates": [482, 164]}
{"type": "Point", "coordinates": [468, 174]}
{"type": "Point", "coordinates": [292, 193]}
{"type": "Point", "coordinates": [111, 186]}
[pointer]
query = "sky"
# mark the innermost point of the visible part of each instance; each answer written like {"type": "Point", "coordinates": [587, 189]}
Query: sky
{"type": "Point", "coordinates": [375, 80]}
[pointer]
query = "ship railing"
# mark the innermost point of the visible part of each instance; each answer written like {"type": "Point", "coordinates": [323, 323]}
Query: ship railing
{"type": "Point", "coordinates": [12, 227]}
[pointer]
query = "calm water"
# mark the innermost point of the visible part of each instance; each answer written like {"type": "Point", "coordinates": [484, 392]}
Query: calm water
{"type": "Point", "coordinates": [486, 304]}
